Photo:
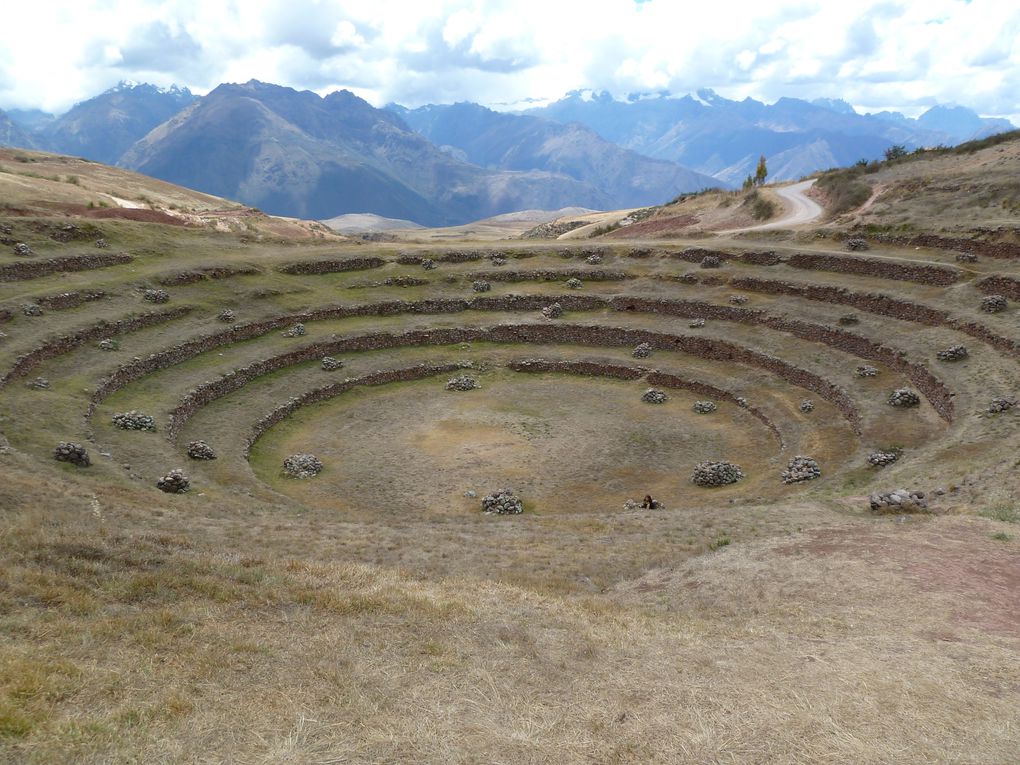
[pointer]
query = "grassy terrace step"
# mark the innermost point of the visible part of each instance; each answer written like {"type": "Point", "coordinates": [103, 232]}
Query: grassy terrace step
{"type": "Point", "coordinates": [928, 383]}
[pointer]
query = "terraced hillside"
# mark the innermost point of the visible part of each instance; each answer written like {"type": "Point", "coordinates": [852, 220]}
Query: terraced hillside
{"type": "Point", "coordinates": [372, 612]}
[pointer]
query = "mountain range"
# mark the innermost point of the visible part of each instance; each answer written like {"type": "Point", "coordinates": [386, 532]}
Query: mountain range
{"type": "Point", "coordinates": [294, 153]}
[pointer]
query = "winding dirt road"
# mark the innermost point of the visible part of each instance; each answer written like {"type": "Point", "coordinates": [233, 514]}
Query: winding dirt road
{"type": "Point", "coordinates": [801, 209]}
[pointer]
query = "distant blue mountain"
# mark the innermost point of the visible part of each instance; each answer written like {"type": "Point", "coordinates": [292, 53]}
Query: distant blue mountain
{"type": "Point", "coordinates": [518, 142]}
{"type": "Point", "coordinates": [724, 138]}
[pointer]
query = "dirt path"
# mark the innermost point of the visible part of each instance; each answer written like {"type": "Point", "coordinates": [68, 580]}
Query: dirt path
{"type": "Point", "coordinates": [801, 209]}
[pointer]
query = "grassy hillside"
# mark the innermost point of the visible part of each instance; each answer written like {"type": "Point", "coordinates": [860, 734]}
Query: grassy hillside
{"type": "Point", "coordinates": [374, 613]}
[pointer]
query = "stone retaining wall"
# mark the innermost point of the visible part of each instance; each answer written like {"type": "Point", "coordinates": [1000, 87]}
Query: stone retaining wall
{"type": "Point", "coordinates": [593, 336]}
{"type": "Point", "coordinates": [66, 343]}
{"type": "Point", "coordinates": [64, 300]}
{"type": "Point", "coordinates": [34, 269]}
{"type": "Point", "coordinates": [332, 391]}
{"type": "Point", "coordinates": [884, 306]}
{"type": "Point", "coordinates": [547, 275]}
{"type": "Point", "coordinates": [1003, 250]}
{"type": "Point", "coordinates": [933, 389]}
{"type": "Point", "coordinates": [1000, 285]}
{"type": "Point", "coordinates": [203, 274]}
{"type": "Point", "coordinates": [331, 266]}
{"type": "Point", "coordinates": [922, 273]}
{"type": "Point", "coordinates": [654, 377]}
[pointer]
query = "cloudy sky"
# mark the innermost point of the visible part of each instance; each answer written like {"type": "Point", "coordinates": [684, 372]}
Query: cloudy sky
{"type": "Point", "coordinates": [877, 54]}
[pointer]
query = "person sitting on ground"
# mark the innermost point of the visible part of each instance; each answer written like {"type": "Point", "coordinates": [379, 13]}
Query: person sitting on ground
{"type": "Point", "coordinates": [648, 503]}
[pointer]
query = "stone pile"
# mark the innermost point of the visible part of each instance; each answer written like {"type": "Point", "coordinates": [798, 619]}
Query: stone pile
{"type": "Point", "coordinates": [404, 281]}
{"type": "Point", "coordinates": [1001, 404]}
{"type": "Point", "coordinates": [704, 407]}
{"type": "Point", "coordinates": [32, 309]}
{"type": "Point", "coordinates": [227, 316]}
{"type": "Point", "coordinates": [481, 286]}
{"type": "Point", "coordinates": [39, 383]}
{"type": "Point", "coordinates": [801, 468]}
{"type": "Point", "coordinates": [428, 264]}
{"type": "Point", "coordinates": [156, 296]}
{"type": "Point", "coordinates": [696, 323]}
{"type": "Point", "coordinates": [904, 397]}
{"type": "Point", "coordinates": [856, 244]}
{"type": "Point", "coordinates": [174, 482]}
{"type": "Point", "coordinates": [642, 351]}
{"type": "Point", "coordinates": [711, 261]}
{"type": "Point", "coordinates": [200, 450]}
{"type": "Point", "coordinates": [574, 283]}
{"type": "Point", "coordinates": [849, 319]}
{"type": "Point", "coordinates": [898, 501]}
{"type": "Point", "coordinates": [719, 473]}
{"type": "Point", "coordinates": [497, 260]}
{"type": "Point", "coordinates": [461, 383]}
{"type": "Point", "coordinates": [994, 304]}
{"type": "Point", "coordinates": [553, 311]}
{"type": "Point", "coordinates": [881, 459]}
{"type": "Point", "coordinates": [76, 454]}
{"type": "Point", "coordinates": [807, 405]}
{"type": "Point", "coordinates": [23, 250]}
{"type": "Point", "coordinates": [302, 466]}
{"type": "Point", "coordinates": [134, 420]}
{"type": "Point", "coordinates": [966, 257]}
{"type": "Point", "coordinates": [503, 502]}
{"type": "Point", "coordinates": [594, 259]}
{"type": "Point", "coordinates": [653, 396]}
{"type": "Point", "coordinates": [102, 244]}
{"type": "Point", "coordinates": [297, 330]}
{"type": "Point", "coordinates": [738, 299]}
{"type": "Point", "coordinates": [331, 364]}
{"type": "Point", "coordinates": [109, 344]}
{"type": "Point", "coordinates": [866, 371]}
{"type": "Point", "coordinates": [953, 353]}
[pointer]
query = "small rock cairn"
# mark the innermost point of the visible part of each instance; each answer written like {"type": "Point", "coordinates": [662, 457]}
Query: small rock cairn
{"type": "Point", "coordinates": [227, 316]}
{"type": "Point", "coordinates": [966, 257]}
{"type": "Point", "coordinates": [801, 468]}
{"type": "Point", "coordinates": [738, 299]}
{"type": "Point", "coordinates": [953, 353]}
{"type": "Point", "coordinates": [39, 383]}
{"type": "Point", "coordinates": [720, 473]}
{"type": "Point", "coordinates": [331, 364]}
{"type": "Point", "coordinates": [32, 309]}
{"type": "Point", "coordinates": [462, 383]}
{"type": "Point", "coordinates": [849, 319]}
{"type": "Point", "coordinates": [881, 459]}
{"type": "Point", "coordinates": [594, 259]}
{"type": "Point", "coordinates": [574, 283]}
{"type": "Point", "coordinates": [866, 370]}
{"type": "Point", "coordinates": [904, 397]}
{"type": "Point", "coordinates": [134, 420]}
{"type": "Point", "coordinates": [642, 351]}
{"type": "Point", "coordinates": [553, 311]}
{"type": "Point", "coordinates": [711, 261]}
{"type": "Point", "coordinates": [696, 323]}
{"type": "Point", "coordinates": [856, 244]}
{"type": "Point", "coordinates": [704, 407]}
{"type": "Point", "coordinates": [23, 250]}
{"type": "Point", "coordinates": [174, 482]}
{"type": "Point", "coordinates": [503, 502]}
{"type": "Point", "coordinates": [994, 304]}
{"type": "Point", "coordinates": [898, 501]}
{"type": "Point", "coordinates": [1001, 404]}
{"type": "Point", "coordinates": [200, 450]}
{"type": "Point", "coordinates": [654, 396]}
{"type": "Point", "coordinates": [156, 296]}
{"type": "Point", "coordinates": [481, 286]}
{"type": "Point", "coordinates": [109, 344]}
{"type": "Point", "coordinates": [297, 330]}
{"type": "Point", "coordinates": [428, 264]}
{"type": "Point", "coordinates": [76, 454]}
{"type": "Point", "coordinates": [302, 466]}
{"type": "Point", "coordinates": [807, 405]}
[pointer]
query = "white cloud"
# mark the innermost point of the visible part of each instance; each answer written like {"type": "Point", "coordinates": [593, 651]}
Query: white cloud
{"type": "Point", "coordinates": [873, 52]}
